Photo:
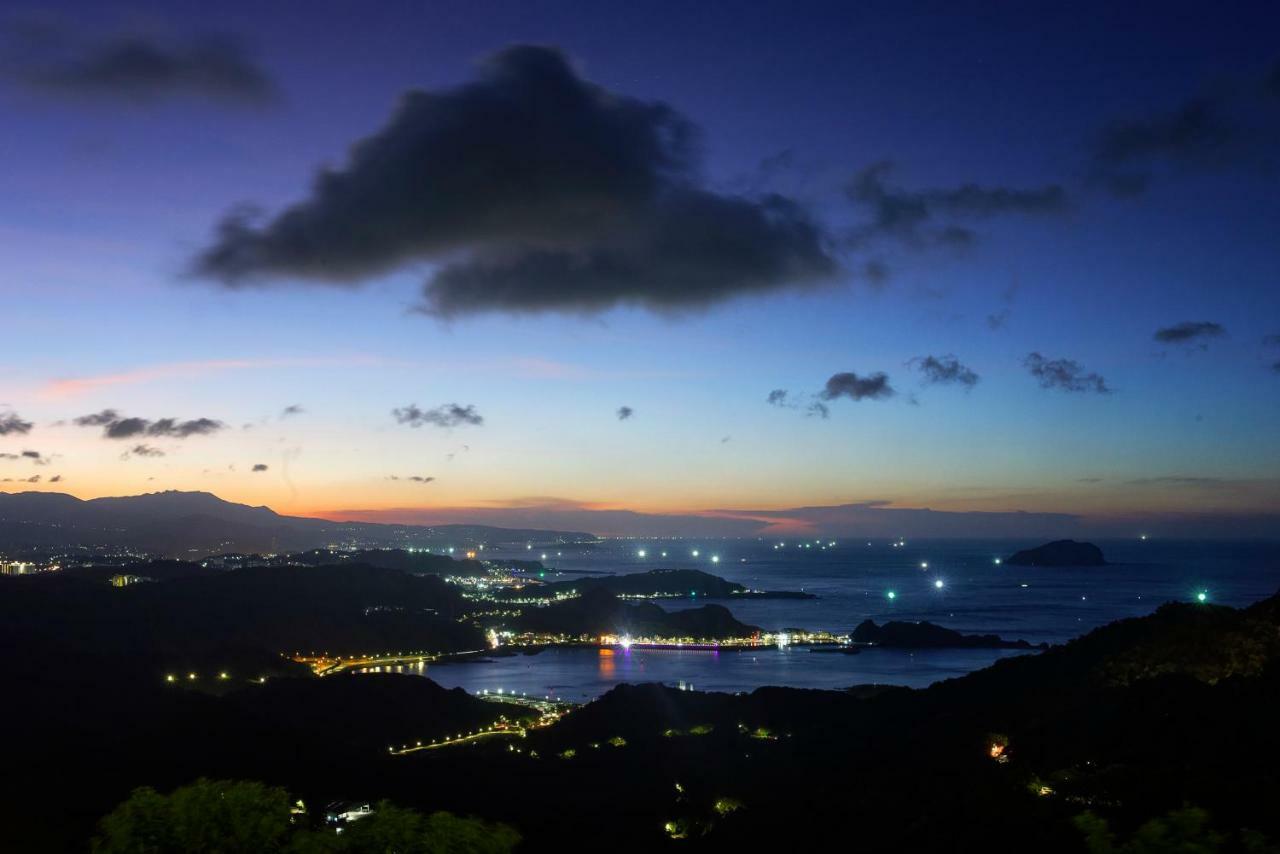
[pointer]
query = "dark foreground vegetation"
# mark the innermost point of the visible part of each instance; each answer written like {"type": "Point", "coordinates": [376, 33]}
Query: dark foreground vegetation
{"type": "Point", "coordinates": [1144, 735]}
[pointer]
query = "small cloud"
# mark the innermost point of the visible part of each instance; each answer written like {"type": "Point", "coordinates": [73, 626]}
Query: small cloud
{"type": "Point", "coordinates": [292, 410]}
{"type": "Point", "coordinates": [997, 320]}
{"type": "Point", "coordinates": [413, 478]}
{"type": "Point", "coordinates": [1189, 331]}
{"type": "Point", "coordinates": [873, 387]}
{"type": "Point", "coordinates": [12, 425]}
{"type": "Point", "coordinates": [259, 467]}
{"type": "Point", "coordinates": [724, 440]}
{"type": "Point", "coordinates": [625, 412]}
{"type": "Point", "coordinates": [445, 415]}
{"type": "Point", "coordinates": [142, 451]}
{"type": "Point", "coordinates": [818, 409]}
{"type": "Point", "coordinates": [57, 478]}
{"type": "Point", "coordinates": [945, 370]}
{"type": "Point", "coordinates": [1064, 375]}
{"type": "Point", "coordinates": [143, 69]}
{"type": "Point", "coordinates": [777, 397]}
{"type": "Point", "coordinates": [912, 217]}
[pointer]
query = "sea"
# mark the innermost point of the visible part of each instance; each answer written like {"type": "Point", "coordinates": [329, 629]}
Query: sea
{"type": "Point", "coordinates": [959, 584]}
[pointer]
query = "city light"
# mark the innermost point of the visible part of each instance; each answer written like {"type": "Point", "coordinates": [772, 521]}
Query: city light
{"type": "Point", "coordinates": [924, 564]}
{"type": "Point", "coordinates": [891, 595]}
{"type": "Point", "coordinates": [715, 558]}
{"type": "Point", "coordinates": [938, 584]}
{"type": "Point", "coordinates": [640, 553]}
{"type": "Point", "coordinates": [1202, 596]}
{"type": "Point", "coordinates": [695, 552]}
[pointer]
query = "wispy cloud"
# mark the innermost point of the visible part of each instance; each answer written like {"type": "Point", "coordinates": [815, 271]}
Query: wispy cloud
{"type": "Point", "coordinates": [73, 386]}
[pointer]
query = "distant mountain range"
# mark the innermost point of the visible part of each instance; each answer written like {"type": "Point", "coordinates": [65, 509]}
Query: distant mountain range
{"type": "Point", "coordinates": [193, 524]}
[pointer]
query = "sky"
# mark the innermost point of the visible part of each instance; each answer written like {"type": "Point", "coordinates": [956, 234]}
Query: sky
{"type": "Point", "coordinates": [649, 268]}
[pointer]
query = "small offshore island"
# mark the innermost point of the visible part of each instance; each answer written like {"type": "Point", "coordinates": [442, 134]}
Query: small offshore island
{"type": "Point", "coordinates": [1059, 553]}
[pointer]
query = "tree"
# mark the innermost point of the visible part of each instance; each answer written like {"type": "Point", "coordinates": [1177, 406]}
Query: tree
{"type": "Point", "coordinates": [238, 817]}
{"type": "Point", "coordinates": [206, 816]}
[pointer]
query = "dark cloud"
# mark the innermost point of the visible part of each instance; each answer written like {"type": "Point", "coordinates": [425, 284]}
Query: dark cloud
{"type": "Point", "coordinates": [912, 217]}
{"type": "Point", "coordinates": [57, 478]}
{"type": "Point", "coordinates": [777, 397]}
{"type": "Point", "coordinates": [595, 202]}
{"type": "Point", "coordinates": [291, 410]}
{"type": "Point", "coordinates": [625, 412]}
{"type": "Point", "coordinates": [1232, 125]}
{"type": "Point", "coordinates": [35, 457]}
{"type": "Point", "coordinates": [413, 478]}
{"type": "Point", "coordinates": [12, 425]}
{"type": "Point", "coordinates": [140, 68]}
{"type": "Point", "coordinates": [144, 451]}
{"type": "Point", "coordinates": [1189, 331]}
{"type": "Point", "coordinates": [445, 415]}
{"type": "Point", "coordinates": [945, 370]}
{"type": "Point", "coordinates": [1064, 374]}
{"type": "Point", "coordinates": [116, 426]}
{"type": "Point", "coordinates": [259, 467]}
{"type": "Point", "coordinates": [873, 387]}
{"type": "Point", "coordinates": [1182, 480]}
{"type": "Point", "coordinates": [818, 409]}
{"type": "Point", "coordinates": [997, 320]}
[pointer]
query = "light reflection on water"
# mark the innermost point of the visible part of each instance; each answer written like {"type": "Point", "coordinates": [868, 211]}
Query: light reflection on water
{"type": "Point", "coordinates": [584, 673]}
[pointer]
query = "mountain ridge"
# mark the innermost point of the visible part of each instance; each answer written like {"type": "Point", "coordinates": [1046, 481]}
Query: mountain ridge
{"type": "Point", "coordinates": [180, 523]}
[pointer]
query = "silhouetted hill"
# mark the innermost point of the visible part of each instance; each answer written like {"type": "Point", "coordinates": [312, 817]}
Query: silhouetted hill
{"type": "Point", "coordinates": [186, 524]}
{"type": "Point", "coordinates": [598, 612]}
{"type": "Point", "coordinates": [668, 582]}
{"type": "Point", "coordinates": [203, 619]}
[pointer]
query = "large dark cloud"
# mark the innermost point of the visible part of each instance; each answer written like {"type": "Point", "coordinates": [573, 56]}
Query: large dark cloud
{"type": "Point", "coordinates": [537, 191]}
{"type": "Point", "coordinates": [445, 415]}
{"type": "Point", "coordinates": [921, 218]}
{"type": "Point", "coordinates": [12, 425]}
{"type": "Point", "coordinates": [116, 426]}
{"type": "Point", "coordinates": [1064, 375]}
{"type": "Point", "coordinates": [1189, 331]}
{"type": "Point", "coordinates": [871, 387]}
{"type": "Point", "coordinates": [139, 68]}
{"type": "Point", "coordinates": [1232, 125]}
{"type": "Point", "coordinates": [945, 370]}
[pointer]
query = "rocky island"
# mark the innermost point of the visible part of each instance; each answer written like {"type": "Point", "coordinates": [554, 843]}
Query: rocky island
{"type": "Point", "coordinates": [1059, 553]}
{"type": "Point", "coordinates": [924, 635]}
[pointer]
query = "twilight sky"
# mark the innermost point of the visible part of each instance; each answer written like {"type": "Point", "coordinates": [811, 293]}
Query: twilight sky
{"type": "Point", "coordinates": [650, 268]}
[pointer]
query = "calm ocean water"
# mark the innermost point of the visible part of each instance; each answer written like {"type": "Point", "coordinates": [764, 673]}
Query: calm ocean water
{"type": "Point", "coordinates": [853, 580]}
